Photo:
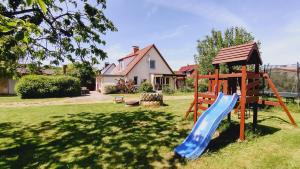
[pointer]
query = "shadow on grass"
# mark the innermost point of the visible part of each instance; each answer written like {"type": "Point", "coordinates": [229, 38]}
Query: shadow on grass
{"type": "Point", "coordinates": [95, 140]}
{"type": "Point", "coordinates": [230, 134]}
{"type": "Point", "coordinates": [273, 118]}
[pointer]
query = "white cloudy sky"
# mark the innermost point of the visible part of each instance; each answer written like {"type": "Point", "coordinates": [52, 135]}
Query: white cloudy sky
{"type": "Point", "coordinates": [175, 26]}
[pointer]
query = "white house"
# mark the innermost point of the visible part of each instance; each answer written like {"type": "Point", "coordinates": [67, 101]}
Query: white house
{"type": "Point", "coordinates": [141, 65]}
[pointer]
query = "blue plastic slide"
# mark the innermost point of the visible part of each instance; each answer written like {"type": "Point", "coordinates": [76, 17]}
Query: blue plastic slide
{"type": "Point", "coordinates": [196, 142]}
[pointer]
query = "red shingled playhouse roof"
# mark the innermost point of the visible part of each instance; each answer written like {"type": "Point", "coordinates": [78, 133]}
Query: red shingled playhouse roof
{"type": "Point", "coordinates": [240, 54]}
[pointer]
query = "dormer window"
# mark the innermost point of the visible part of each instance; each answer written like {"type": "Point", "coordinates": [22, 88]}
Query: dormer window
{"type": "Point", "coordinates": [152, 64]}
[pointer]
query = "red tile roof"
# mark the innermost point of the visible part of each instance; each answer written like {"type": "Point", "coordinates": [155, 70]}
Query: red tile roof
{"type": "Point", "coordinates": [246, 53]}
{"type": "Point", "coordinates": [178, 72]}
{"type": "Point", "coordinates": [187, 68]}
{"type": "Point", "coordinates": [128, 56]}
{"type": "Point", "coordinates": [137, 58]}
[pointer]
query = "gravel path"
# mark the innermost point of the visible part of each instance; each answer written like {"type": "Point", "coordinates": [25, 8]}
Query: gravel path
{"type": "Point", "coordinates": [93, 97]}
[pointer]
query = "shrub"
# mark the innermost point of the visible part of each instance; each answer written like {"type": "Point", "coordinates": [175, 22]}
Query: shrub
{"type": "Point", "coordinates": [146, 87]}
{"type": "Point", "coordinates": [126, 86]}
{"type": "Point", "coordinates": [186, 89]}
{"type": "Point", "coordinates": [110, 89]}
{"type": "Point", "coordinates": [40, 86]}
{"type": "Point", "coordinates": [167, 90]}
{"type": "Point", "coordinates": [202, 87]}
{"type": "Point", "coordinates": [189, 82]}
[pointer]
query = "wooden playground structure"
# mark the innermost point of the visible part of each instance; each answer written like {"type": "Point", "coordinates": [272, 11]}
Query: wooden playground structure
{"type": "Point", "coordinates": [244, 82]}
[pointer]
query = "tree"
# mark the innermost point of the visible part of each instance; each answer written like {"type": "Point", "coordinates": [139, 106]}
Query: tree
{"type": "Point", "coordinates": [84, 72]}
{"type": "Point", "coordinates": [54, 30]}
{"type": "Point", "coordinates": [210, 46]}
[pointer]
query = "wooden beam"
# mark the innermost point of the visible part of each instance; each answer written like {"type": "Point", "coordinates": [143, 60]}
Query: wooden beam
{"type": "Point", "coordinates": [217, 79]}
{"type": "Point", "coordinates": [190, 109]}
{"type": "Point", "coordinates": [269, 103]}
{"type": "Point", "coordinates": [202, 108]}
{"type": "Point", "coordinates": [207, 95]}
{"type": "Point", "coordinates": [237, 108]}
{"type": "Point", "coordinates": [253, 84]}
{"type": "Point", "coordinates": [224, 76]}
{"type": "Point", "coordinates": [251, 75]}
{"type": "Point", "coordinates": [243, 102]}
{"type": "Point", "coordinates": [206, 76]}
{"type": "Point", "coordinates": [271, 84]}
{"type": "Point", "coordinates": [225, 86]}
{"type": "Point", "coordinates": [255, 106]}
{"type": "Point", "coordinates": [206, 101]}
{"type": "Point", "coordinates": [195, 96]}
{"type": "Point", "coordinates": [221, 76]}
{"type": "Point", "coordinates": [252, 99]}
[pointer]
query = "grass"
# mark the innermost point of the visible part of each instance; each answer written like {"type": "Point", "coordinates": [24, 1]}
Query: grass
{"type": "Point", "coordinates": [114, 136]}
{"type": "Point", "coordinates": [137, 95]}
{"type": "Point", "coordinates": [17, 99]}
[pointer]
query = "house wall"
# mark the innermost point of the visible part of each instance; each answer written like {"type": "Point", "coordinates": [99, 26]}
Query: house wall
{"type": "Point", "coordinates": [7, 86]}
{"type": "Point", "coordinates": [102, 81]}
{"type": "Point", "coordinates": [108, 71]}
{"type": "Point", "coordinates": [142, 69]}
{"type": "Point", "coordinates": [3, 86]}
{"type": "Point", "coordinates": [11, 83]}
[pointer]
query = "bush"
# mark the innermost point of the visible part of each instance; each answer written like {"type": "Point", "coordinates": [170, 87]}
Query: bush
{"type": "Point", "coordinates": [40, 86]}
{"type": "Point", "coordinates": [189, 82]}
{"type": "Point", "coordinates": [167, 90]}
{"type": "Point", "coordinates": [110, 89]}
{"type": "Point", "coordinates": [126, 86]}
{"type": "Point", "coordinates": [146, 87]}
{"type": "Point", "coordinates": [202, 87]}
{"type": "Point", "coordinates": [186, 89]}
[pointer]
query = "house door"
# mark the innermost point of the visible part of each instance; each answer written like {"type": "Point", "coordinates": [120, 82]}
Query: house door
{"type": "Point", "coordinates": [158, 83]}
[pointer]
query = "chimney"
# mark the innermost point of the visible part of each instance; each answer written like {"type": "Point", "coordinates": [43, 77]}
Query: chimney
{"type": "Point", "coordinates": [135, 49]}
{"type": "Point", "coordinates": [106, 64]}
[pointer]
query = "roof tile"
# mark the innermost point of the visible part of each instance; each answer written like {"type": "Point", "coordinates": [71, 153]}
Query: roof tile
{"type": "Point", "coordinates": [237, 53]}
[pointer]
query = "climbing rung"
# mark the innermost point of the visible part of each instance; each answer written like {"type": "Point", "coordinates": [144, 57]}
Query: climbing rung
{"type": "Point", "coordinates": [206, 101]}
{"type": "Point", "coordinates": [207, 95]}
{"type": "Point", "coordinates": [202, 107]}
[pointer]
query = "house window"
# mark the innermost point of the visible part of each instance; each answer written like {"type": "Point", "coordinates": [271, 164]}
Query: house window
{"type": "Point", "coordinates": [135, 79]}
{"type": "Point", "coordinates": [167, 80]}
{"type": "Point", "coordinates": [152, 64]}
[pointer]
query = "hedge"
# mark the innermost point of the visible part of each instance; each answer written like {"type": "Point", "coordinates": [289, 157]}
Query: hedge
{"type": "Point", "coordinates": [109, 89]}
{"type": "Point", "coordinates": [41, 86]}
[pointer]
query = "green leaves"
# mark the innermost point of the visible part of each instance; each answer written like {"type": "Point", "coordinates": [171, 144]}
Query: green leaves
{"type": "Point", "coordinates": [29, 2]}
{"type": "Point", "coordinates": [42, 5]}
{"type": "Point", "coordinates": [209, 47]}
{"type": "Point", "coordinates": [55, 30]}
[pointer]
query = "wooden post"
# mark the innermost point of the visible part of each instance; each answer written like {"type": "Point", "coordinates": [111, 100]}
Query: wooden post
{"type": "Point", "coordinates": [189, 110]}
{"type": "Point", "coordinates": [255, 104]}
{"type": "Point", "coordinates": [228, 90]}
{"type": "Point", "coordinates": [243, 102]}
{"type": "Point", "coordinates": [217, 79]}
{"type": "Point", "coordinates": [271, 84]}
{"type": "Point", "coordinates": [195, 95]}
{"type": "Point", "coordinates": [298, 83]}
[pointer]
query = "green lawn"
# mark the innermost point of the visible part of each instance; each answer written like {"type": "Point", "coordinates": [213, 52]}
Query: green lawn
{"type": "Point", "coordinates": [137, 95]}
{"type": "Point", "coordinates": [17, 99]}
{"type": "Point", "coordinates": [114, 136]}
